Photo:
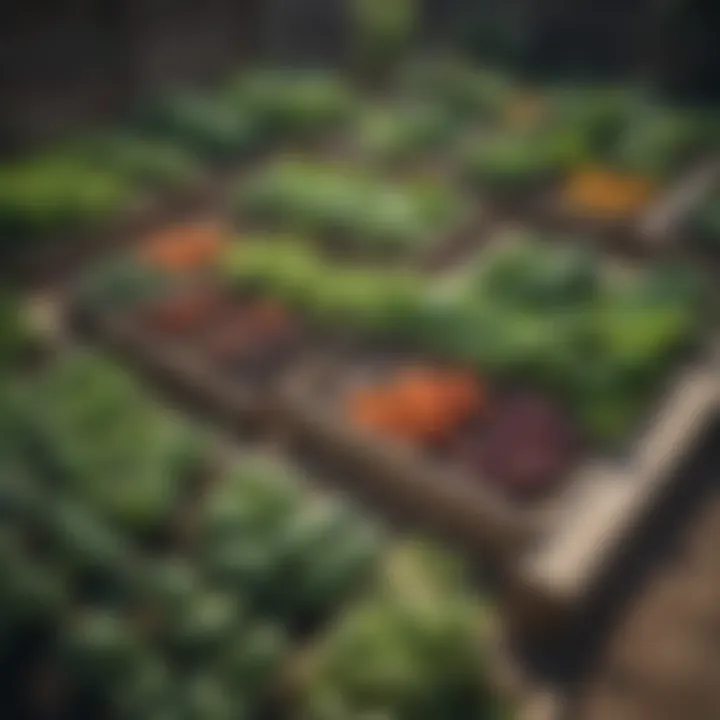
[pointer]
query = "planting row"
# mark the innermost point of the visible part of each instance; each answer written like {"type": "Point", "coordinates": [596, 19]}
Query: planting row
{"type": "Point", "coordinates": [601, 153]}
{"type": "Point", "coordinates": [167, 146]}
{"type": "Point", "coordinates": [143, 575]}
{"type": "Point", "coordinates": [512, 368]}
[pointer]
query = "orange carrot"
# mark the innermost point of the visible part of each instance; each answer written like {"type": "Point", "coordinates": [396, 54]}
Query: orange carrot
{"type": "Point", "coordinates": [422, 405]}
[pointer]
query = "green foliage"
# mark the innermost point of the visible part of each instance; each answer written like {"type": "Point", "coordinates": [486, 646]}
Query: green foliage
{"type": "Point", "coordinates": [554, 316]}
{"type": "Point", "coordinates": [82, 541]}
{"type": "Point", "coordinates": [290, 104]}
{"type": "Point", "coordinates": [377, 301]}
{"type": "Point", "coordinates": [404, 131]}
{"type": "Point", "coordinates": [200, 631]}
{"type": "Point", "coordinates": [657, 142]}
{"type": "Point", "coordinates": [598, 114]}
{"type": "Point", "coordinates": [414, 648]}
{"type": "Point", "coordinates": [91, 429]}
{"type": "Point", "coordinates": [345, 203]}
{"type": "Point", "coordinates": [147, 691]}
{"type": "Point", "coordinates": [159, 630]}
{"type": "Point", "coordinates": [510, 161]}
{"type": "Point", "coordinates": [100, 647]}
{"type": "Point", "coordinates": [290, 559]}
{"type": "Point", "coordinates": [153, 164]}
{"type": "Point", "coordinates": [54, 194]}
{"type": "Point", "coordinates": [530, 275]}
{"type": "Point", "coordinates": [255, 659]}
{"type": "Point", "coordinates": [209, 126]}
{"type": "Point", "coordinates": [202, 634]}
{"type": "Point", "coordinates": [205, 698]}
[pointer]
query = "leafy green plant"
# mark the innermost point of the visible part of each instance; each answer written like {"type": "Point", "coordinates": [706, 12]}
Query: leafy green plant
{"type": "Point", "coordinates": [350, 205]}
{"type": "Point", "coordinates": [149, 163]}
{"type": "Point", "coordinates": [55, 194]}
{"type": "Point", "coordinates": [657, 142]}
{"type": "Point", "coordinates": [552, 316]}
{"type": "Point", "coordinates": [416, 647]}
{"type": "Point", "coordinates": [290, 104]}
{"type": "Point", "coordinates": [516, 161]}
{"type": "Point", "coordinates": [599, 114]}
{"type": "Point", "coordinates": [291, 559]}
{"type": "Point", "coordinates": [148, 629]}
{"type": "Point", "coordinates": [404, 131]}
{"type": "Point", "coordinates": [377, 301]}
{"type": "Point", "coordinates": [88, 426]}
{"type": "Point", "coordinates": [212, 127]}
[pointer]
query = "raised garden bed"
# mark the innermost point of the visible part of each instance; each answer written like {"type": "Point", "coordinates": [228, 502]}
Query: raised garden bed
{"type": "Point", "coordinates": [163, 306]}
{"type": "Point", "coordinates": [299, 333]}
{"type": "Point", "coordinates": [565, 538]}
{"type": "Point", "coordinates": [204, 332]}
{"type": "Point", "coordinates": [380, 379]}
{"type": "Point", "coordinates": [566, 504]}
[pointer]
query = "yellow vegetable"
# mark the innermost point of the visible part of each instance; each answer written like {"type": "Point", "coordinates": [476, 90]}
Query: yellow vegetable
{"type": "Point", "coordinates": [605, 194]}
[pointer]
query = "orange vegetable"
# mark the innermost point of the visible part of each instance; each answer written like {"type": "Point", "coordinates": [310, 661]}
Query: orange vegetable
{"type": "Point", "coordinates": [423, 406]}
{"type": "Point", "coordinates": [377, 410]}
{"type": "Point", "coordinates": [606, 194]}
{"type": "Point", "coordinates": [184, 248]}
